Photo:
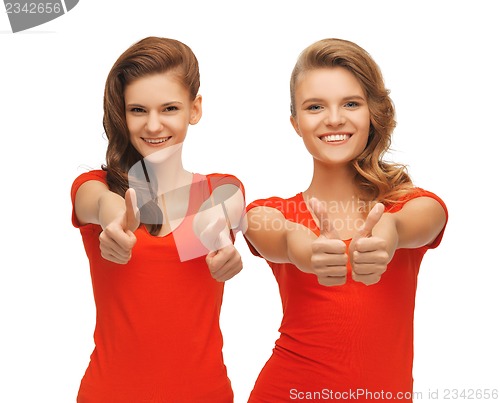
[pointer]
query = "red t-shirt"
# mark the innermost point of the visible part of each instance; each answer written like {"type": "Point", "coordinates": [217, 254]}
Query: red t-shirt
{"type": "Point", "coordinates": [350, 342]}
{"type": "Point", "coordinates": [157, 335]}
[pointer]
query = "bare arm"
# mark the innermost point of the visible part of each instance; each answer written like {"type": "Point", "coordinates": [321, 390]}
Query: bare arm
{"type": "Point", "coordinates": [278, 239]}
{"type": "Point", "coordinates": [118, 217]}
{"type": "Point", "coordinates": [417, 224]}
{"type": "Point", "coordinates": [281, 241]}
{"type": "Point", "coordinates": [96, 204]}
{"type": "Point", "coordinates": [217, 215]}
{"type": "Point", "coordinates": [226, 201]}
{"type": "Point", "coordinates": [271, 234]}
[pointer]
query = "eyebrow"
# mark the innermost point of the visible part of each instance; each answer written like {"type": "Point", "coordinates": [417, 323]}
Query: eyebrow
{"type": "Point", "coordinates": [162, 105]}
{"type": "Point", "coordinates": [348, 98]}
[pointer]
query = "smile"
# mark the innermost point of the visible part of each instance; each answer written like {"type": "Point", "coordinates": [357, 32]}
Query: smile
{"type": "Point", "coordinates": [333, 138]}
{"type": "Point", "coordinates": [156, 141]}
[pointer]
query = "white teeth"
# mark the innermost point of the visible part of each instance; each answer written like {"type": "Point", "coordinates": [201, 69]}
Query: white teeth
{"type": "Point", "coordinates": [335, 137]}
{"type": "Point", "coordinates": [155, 141]}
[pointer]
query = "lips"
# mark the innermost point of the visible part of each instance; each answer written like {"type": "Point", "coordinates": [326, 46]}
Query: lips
{"type": "Point", "coordinates": [335, 138]}
{"type": "Point", "coordinates": [156, 141]}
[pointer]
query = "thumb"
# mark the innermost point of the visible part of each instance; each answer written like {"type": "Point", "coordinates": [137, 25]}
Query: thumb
{"type": "Point", "coordinates": [132, 215]}
{"type": "Point", "coordinates": [326, 226]}
{"type": "Point", "coordinates": [373, 218]}
{"type": "Point", "coordinates": [214, 236]}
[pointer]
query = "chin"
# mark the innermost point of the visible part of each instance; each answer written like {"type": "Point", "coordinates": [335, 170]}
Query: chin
{"type": "Point", "coordinates": [162, 154]}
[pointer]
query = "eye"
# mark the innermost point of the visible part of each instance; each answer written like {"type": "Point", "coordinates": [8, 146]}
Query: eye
{"type": "Point", "coordinates": [136, 109]}
{"type": "Point", "coordinates": [351, 104]}
{"type": "Point", "coordinates": [171, 108]}
{"type": "Point", "coordinates": [314, 108]}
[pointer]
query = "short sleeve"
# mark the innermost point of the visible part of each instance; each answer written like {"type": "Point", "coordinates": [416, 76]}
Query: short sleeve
{"type": "Point", "coordinates": [96, 175]}
{"type": "Point", "coordinates": [216, 180]}
{"type": "Point", "coordinates": [274, 202]}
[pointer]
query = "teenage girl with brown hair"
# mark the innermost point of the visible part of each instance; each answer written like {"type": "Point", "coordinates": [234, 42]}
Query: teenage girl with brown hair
{"type": "Point", "coordinates": [158, 239]}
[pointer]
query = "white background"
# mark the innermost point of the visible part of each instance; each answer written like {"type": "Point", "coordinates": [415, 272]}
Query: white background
{"type": "Point", "coordinates": [439, 59]}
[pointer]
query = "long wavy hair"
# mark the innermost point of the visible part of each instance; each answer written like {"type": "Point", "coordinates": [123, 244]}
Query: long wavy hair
{"type": "Point", "coordinates": [150, 55]}
{"type": "Point", "coordinates": [376, 178]}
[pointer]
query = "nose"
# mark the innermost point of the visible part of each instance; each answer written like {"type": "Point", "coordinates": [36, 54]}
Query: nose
{"type": "Point", "coordinates": [154, 124]}
{"type": "Point", "coordinates": [334, 117]}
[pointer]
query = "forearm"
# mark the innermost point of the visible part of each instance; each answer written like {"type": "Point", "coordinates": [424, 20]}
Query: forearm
{"type": "Point", "coordinates": [417, 224]}
{"type": "Point", "coordinates": [387, 229]}
{"type": "Point", "coordinates": [110, 206]}
{"type": "Point", "coordinates": [96, 204]}
{"type": "Point", "coordinates": [207, 216]}
{"type": "Point", "coordinates": [279, 240]}
{"type": "Point", "coordinates": [299, 251]}
{"type": "Point", "coordinates": [227, 202]}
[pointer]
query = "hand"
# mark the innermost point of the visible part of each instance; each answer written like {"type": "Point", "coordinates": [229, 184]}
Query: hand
{"type": "Point", "coordinates": [223, 260]}
{"type": "Point", "coordinates": [368, 254]}
{"type": "Point", "coordinates": [118, 239]}
{"type": "Point", "coordinates": [329, 257]}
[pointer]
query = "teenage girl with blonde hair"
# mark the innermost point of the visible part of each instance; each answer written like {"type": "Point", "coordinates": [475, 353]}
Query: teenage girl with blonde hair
{"type": "Point", "coordinates": [346, 251]}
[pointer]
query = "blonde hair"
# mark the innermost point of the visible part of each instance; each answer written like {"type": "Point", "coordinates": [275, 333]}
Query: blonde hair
{"type": "Point", "coordinates": [376, 178]}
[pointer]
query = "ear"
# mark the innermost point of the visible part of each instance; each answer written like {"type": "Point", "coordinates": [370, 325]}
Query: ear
{"type": "Point", "coordinates": [295, 125]}
{"type": "Point", "coordinates": [196, 110]}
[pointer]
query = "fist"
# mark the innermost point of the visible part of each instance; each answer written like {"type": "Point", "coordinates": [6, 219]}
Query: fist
{"type": "Point", "coordinates": [223, 260]}
{"type": "Point", "coordinates": [368, 254]}
{"type": "Point", "coordinates": [329, 257]}
{"type": "Point", "coordinates": [117, 239]}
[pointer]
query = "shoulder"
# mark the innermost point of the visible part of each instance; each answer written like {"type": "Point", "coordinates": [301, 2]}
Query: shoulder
{"type": "Point", "coordinates": [217, 179]}
{"type": "Point", "coordinates": [425, 210]}
{"type": "Point", "coordinates": [94, 175]}
{"type": "Point", "coordinates": [97, 175]}
{"type": "Point", "coordinates": [285, 206]}
{"type": "Point", "coordinates": [413, 194]}
{"type": "Point", "coordinates": [90, 177]}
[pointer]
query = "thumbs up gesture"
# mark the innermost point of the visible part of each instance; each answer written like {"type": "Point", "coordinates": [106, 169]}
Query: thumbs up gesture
{"type": "Point", "coordinates": [223, 260]}
{"type": "Point", "coordinates": [117, 239]}
{"type": "Point", "coordinates": [368, 254]}
{"type": "Point", "coordinates": [329, 257]}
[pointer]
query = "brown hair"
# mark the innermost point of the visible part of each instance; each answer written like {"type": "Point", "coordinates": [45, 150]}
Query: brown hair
{"type": "Point", "coordinates": [375, 178]}
{"type": "Point", "coordinates": [150, 55]}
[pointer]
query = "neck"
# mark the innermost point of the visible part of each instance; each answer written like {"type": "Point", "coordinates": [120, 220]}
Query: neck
{"type": "Point", "coordinates": [332, 183]}
{"type": "Point", "coordinates": [166, 167]}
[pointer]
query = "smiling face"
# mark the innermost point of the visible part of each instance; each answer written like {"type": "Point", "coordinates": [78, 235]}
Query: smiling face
{"type": "Point", "coordinates": [332, 114]}
{"type": "Point", "coordinates": [158, 111]}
